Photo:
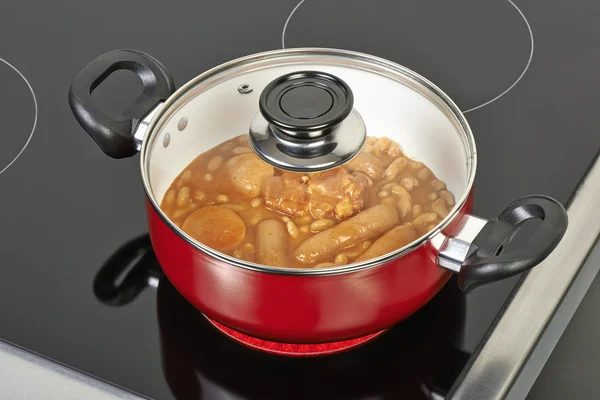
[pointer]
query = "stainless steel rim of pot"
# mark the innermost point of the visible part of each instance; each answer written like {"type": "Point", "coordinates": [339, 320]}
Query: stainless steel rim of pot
{"type": "Point", "coordinates": [436, 94]}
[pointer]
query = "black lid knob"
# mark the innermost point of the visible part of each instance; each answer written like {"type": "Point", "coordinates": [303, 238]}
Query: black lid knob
{"type": "Point", "coordinates": [306, 104]}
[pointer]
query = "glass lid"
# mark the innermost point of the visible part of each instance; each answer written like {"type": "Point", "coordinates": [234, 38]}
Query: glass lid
{"type": "Point", "coordinates": [329, 131]}
{"type": "Point", "coordinates": [306, 102]}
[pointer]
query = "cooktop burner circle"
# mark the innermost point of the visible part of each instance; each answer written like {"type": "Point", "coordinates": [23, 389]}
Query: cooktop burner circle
{"type": "Point", "coordinates": [474, 51]}
{"type": "Point", "coordinates": [18, 113]}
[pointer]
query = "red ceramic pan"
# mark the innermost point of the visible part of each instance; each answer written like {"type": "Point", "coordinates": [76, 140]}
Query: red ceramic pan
{"type": "Point", "coordinates": [171, 127]}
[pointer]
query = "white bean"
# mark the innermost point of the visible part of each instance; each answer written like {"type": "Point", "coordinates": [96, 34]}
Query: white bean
{"type": "Point", "coordinates": [424, 174]}
{"type": "Point", "coordinates": [395, 168]}
{"type": "Point", "coordinates": [186, 175]}
{"type": "Point", "coordinates": [437, 184]}
{"type": "Point", "coordinates": [407, 184]}
{"type": "Point", "coordinates": [439, 207]}
{"type": "Point", "coordinates": [340, 259]}
{"type": "Point", "coordinates": [382, 144]}
{"type": "Point", "coordinates": [256, 202]}
{"type": "Point", "coordinates": [208, 177]}
{"type": "Point", "coordinates": [404, 207]}
{"type": "Point", "coordinates": [394, 149]}
{"type": "Point", "coordinates": [183, 197]}
{"type": "Point", "coordinates": [400, 191]}
{"type": "Point", "coordinates": [425, 220]}
{"type": "Point", "coordinates": [414, 165]}
{"type": "Point", "coordinates": [292, 229]}
{"type": "Point", "coordinates": [304, 220]}
{"type": "Point", "coordinates": [447, 196]}
{"type": "Point", "coordinates": [416, 211]}
{"type": "Point", "coordinates": [321, 224]}
{"type": "Point", "coordinates": [222, 199]}
{"type": "Point", "coordinates": [214, 163]}
{"type": "Point", "coordinates": [241, 150]}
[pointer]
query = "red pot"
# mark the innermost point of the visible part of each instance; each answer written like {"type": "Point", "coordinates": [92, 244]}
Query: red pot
{"type": "Point", "coordinates": [195, 356]}
{"type": "Point", "coordinates": [326, 304]}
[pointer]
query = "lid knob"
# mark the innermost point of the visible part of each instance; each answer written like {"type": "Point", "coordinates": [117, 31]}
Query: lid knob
{"type": "Point", "coordinates": [307, 122]}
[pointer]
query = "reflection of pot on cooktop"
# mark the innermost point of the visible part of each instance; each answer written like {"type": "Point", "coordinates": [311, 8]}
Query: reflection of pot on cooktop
{"type": "Point", "coordinates": [200, 362]}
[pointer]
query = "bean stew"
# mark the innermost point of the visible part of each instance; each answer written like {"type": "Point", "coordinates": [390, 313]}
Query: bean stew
{"type": "Point", "coordinates": [230, 200]}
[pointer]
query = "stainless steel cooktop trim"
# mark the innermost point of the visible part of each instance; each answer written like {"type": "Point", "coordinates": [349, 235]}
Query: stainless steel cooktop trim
{"type": "Point", "coordinates": [25, 375]}
{"type": "Point", "coordinates": [498, 361]}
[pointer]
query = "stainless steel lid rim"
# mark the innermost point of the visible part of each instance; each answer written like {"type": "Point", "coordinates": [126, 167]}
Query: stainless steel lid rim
{"type": "Point", "coordinates": [217, 74]}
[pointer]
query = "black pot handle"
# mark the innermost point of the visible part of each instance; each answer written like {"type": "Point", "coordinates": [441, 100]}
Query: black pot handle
{"type": "Point", "coordinates": [485, 261]}
{"type": "Point", "coordinates": [145, 266]}
{"type": "Point", "coordinates": [115, 136]}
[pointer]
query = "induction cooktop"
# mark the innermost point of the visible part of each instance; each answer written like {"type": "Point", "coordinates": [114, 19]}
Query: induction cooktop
{"type": "Point", "coordinates": [523, 72]}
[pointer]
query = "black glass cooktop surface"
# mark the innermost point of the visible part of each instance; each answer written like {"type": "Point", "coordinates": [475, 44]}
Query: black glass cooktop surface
{"type": "Point", "coordinates": [524, 72]}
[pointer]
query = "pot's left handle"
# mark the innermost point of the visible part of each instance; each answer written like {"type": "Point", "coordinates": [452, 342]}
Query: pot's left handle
{"type": "Point", "coordinates": [115, 135]}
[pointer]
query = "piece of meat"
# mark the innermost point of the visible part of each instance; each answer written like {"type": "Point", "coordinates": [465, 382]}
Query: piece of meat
{"type": "Point", "coordinates": [336, 192]}
{"type": "Point", "coordinates": [393, 239]}
{"type": "Point", "coordinates": [271, 243]}
{"type": "Point", "coordinates": [323, 194]}
{"type": "Point", "coordinates": [247, 173]}
{"type": "Point", "coordinates": [287, 193]}
{"type": "Point", "coordinates": [368, 164]}
{"type": "Point", "coordinates": [367, 225]}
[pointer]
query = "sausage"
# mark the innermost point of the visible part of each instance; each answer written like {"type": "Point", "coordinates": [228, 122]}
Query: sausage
{"type": "Point", "coordinates": [392, 240]}
{"type": "Point", "coordinates": [271, 243]}
{"type": "Point", "coordinates": [366, 225]}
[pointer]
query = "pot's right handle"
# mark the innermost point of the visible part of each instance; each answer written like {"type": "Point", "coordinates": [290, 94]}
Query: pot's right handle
{"type": "Point", "coordinates": [485, 261]}
{"type": "Point", "coordinates": [115, 135]}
